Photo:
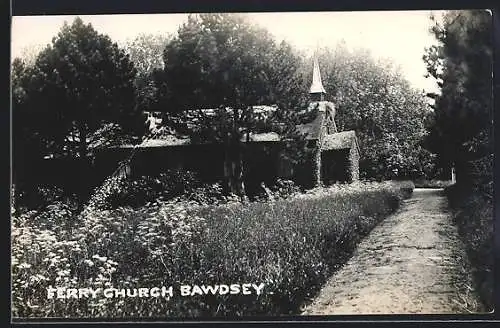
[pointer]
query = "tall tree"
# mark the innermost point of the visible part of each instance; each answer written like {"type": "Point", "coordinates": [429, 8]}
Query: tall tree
{"type": "Point", "coordinates": [224, 59]}
{"type": "Point", "coordinates": [288, 79]}
{"type": "Point", "coordinates": [224, 62]}
{"type": "Point", "coordinates": [79, 82]}
{"type": "Point", "coordinates": [462, 62]}
{"type": "Point", "coordinates": [27, 144]}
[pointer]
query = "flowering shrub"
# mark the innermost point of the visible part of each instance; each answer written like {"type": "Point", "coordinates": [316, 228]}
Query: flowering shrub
{"type": "Point", "coordinates": [100, 198]}
{"type": "Point", "coordinates": [291, 245]}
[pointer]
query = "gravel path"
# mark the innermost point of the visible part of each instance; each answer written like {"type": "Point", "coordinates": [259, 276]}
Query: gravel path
{"type": "Point", "coordinates": [412, 262]}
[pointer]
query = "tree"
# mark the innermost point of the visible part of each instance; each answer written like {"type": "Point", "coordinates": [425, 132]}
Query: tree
{"type": "Point", "coordinates": [374, 99]}
{"type": "Point", "coordinates": [30, 53]}
{"type": "Point", "coordinates": [209, 63]}
{"type": "Point", "coordinates": [27, 144]}
{"type": "Point", "coordinates": [224, 62]}
{"type": "Point", "coordinates": [288, 79]}
{"type": "Point", "coordinates": [225, 59]}
{"type": "Point", "coordinates": [79, 82]}
{"type": "Point", "coordinates": [461, 62]}
{"type": "Point", "coordinates": [146, 52]}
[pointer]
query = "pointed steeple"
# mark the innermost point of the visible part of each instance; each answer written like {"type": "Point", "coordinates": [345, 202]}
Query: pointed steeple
{"type": "Point", "coordinates": [317, 90]}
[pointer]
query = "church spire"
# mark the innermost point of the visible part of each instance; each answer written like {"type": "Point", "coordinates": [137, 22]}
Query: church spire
{"type": "Point", "coordinates": [317, 90]}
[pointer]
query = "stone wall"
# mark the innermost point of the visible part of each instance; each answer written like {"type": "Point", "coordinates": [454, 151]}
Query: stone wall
{"type": "Point", "coordinates": [317, 167]}
{"type": "Point", "coordinates": [354, 163]}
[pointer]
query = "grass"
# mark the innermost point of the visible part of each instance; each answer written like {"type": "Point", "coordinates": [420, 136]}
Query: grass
{"type": "Point", "coordinates": [290, 245]}
{"type": "Point", "coordinates": [473, 215]}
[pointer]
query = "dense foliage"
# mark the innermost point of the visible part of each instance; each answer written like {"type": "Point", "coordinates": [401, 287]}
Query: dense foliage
{"type": "Point", "coordinates": [226, 63]}
{"type": "Point", "coordinates": [224, 59]}
{"type": "Point", "coordinates": [146, 52]}
{"type": "Point", "coordinates": [462, 63]}
{"type": "Point", "coordinates": [65, 100]}
{"type": "Point", "coordinates": [461, 131]}
{"type": "Point", "coordinates": [375, 100]}
{"type": "Point", "coordinates": [180, 185]}
{"type": "Point", "coordinates": [76, 84]}
{"type": "Point", "coordinates": [474, 217]}
{"type": "Point", "coordinates": [290, 245]}
{"type": "Point", "coordinates": [84, 80]}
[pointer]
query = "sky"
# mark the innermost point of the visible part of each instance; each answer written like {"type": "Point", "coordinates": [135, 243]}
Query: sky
{"type": "Point", "coordinates": [400, 36]}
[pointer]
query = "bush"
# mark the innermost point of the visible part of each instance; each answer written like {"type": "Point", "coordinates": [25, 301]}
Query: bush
{"type": "Point", "coordinates": [174, 185]}
{"type": "Point", "coordinates": [208, 194]}
{"type": "Point", "coordinates": [406, 187]}
{"type": "Point", "coordinates": [285, 189]}
{"type": "Point", "coordinates": [37, 196]}
{"type": "Point", "coordinates": [282, 189]}
{"type": "Point", "coordinates": [473, 215]}
{"type": "Point", "coordinates": [120, 191]}
{"type": "Point", "coordinates": [138, 191]}
{"type": "Point", "coordinates": [290, 245]}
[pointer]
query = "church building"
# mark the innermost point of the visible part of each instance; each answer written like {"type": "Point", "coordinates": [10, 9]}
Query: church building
{"type": "Point", "coordinates": [335, 154]}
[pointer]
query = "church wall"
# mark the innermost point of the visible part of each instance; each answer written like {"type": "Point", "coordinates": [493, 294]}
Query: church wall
{"type": "Point", "coordinates": [206, 160]}
{"type": "Point", "coordinates": [261, 164]}
{"type": "Point", "coordinates": [335, 166]}
{"type": "Point", "coordinates": [354, 163]}
{"type": "Point", "coordinates": [317, 167]}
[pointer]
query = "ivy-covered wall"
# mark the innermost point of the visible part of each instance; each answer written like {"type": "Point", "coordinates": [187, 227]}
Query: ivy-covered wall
{"type": "Point", "coordinates": [354, 163]}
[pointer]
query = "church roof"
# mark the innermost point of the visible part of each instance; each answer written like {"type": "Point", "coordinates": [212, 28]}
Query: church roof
{"type": "Point", "coordinates": [172, 140]}
{"type": "Point", "coordinates": [336, 141]}
{"type": "Point", "coordinates": [263, 137]}
{"type": "Point", "coordinates": [164, 141]}
{"type": "Point", "coordinates": [311, 131]}
{"type": "Point", "coordinates": [340, 140]}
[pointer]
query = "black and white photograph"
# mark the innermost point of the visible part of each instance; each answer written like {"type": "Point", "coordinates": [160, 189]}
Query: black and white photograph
{"type": "Point", "coordinates": [251, 165]}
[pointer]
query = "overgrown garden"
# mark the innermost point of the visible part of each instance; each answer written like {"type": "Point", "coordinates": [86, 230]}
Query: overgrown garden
{"type": "Point", "coordinates": [84, 92]}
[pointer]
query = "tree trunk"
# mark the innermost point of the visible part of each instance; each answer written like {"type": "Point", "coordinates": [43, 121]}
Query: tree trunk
{"type": "Point", "coordinates": [238, 173]}
{"type": "Point", "coordinates": [233, 170]}
{"type": "Point", "coordinates": [83, 140]}
{"type": "Point", "coordinates": [82, 175]}
{"type": "Point", "coordinates": [227, 172]}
